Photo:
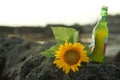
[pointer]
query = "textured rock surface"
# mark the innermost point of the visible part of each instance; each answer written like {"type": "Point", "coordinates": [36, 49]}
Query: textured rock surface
{"type": "Point", "coordinates": [21, 60]}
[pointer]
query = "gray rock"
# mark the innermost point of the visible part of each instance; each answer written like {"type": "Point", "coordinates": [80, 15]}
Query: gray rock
{"type": "Point", "coordinates": [23, 61]}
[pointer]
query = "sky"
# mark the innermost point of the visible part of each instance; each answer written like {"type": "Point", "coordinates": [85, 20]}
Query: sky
{"type": "Point", "coordinates": [43, 12]}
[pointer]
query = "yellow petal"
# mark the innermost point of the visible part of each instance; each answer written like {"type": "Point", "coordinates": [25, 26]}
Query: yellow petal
{"type": "Point", "coordinates": [73, 68]}
{"type": "Point", "coordinates": [75, 55]}
{"type": "Point", "coordinates": [67, 69]}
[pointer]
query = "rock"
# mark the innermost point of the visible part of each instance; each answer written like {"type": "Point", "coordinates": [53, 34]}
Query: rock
{"type": "Point", "coordinates": [6, 45]}
{"type": "Point", "coordinates": [117, 59]}
{"type": "Point", "coordinates": [17, 58]}
{"type": "Point", "coordinates": [91, 71]}
{"type": "Point", "coordinates": [22, 61]}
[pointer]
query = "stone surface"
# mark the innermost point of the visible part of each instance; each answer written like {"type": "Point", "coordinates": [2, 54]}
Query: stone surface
{"type": "Point", "coordinates": [21, 60]}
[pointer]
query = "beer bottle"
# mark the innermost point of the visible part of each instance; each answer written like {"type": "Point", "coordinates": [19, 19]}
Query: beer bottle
{"type": "Point", "coordinates": [99, 37]}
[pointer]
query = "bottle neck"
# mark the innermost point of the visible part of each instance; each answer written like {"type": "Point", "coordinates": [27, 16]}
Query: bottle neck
{"type": "Point", "coordinates": [103, 19]}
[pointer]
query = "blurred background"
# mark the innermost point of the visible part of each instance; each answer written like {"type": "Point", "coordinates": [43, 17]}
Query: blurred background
{"type": "Point", "coordinates": [31, 19]}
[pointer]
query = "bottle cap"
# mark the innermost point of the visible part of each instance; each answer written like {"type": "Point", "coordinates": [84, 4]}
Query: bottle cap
{"type": "Point", "coordinates": [104, 10]}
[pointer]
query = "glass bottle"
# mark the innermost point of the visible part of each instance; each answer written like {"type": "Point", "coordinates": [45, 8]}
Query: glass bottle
{"type": "Point", "coordinates": [99, 37]}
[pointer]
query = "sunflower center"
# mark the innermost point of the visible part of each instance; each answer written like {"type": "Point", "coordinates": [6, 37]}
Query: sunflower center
{"type": "Point", "coordinates": [71, 57]}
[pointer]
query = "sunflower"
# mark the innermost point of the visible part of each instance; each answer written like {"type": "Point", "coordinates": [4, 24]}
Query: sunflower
{"type": "Point", "coordinates": [69, 56]}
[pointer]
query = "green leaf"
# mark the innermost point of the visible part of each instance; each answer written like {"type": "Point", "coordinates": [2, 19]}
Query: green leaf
{"type": "Point", "coordinates": [51, 51]}
{"type": "Point", "coordinates": [89, 52]}
{"type": "Point", "coordinates": [76, 36]}
{"type": "Point", "coordinates": [61, 35]}
{"type": "Point", "coordinates": [65, 34]}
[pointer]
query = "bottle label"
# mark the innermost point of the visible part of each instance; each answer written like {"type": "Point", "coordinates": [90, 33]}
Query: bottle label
{"type": "Point", "coordinates": [105, 43]}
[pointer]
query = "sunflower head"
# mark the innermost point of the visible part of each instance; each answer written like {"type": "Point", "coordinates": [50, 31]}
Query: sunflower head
{"type": "Point", "coordinates": [69, 56]}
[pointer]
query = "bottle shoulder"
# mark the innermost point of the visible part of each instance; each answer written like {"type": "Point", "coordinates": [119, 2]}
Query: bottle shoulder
{"type": "Point", "coordinates": [101, 24]}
